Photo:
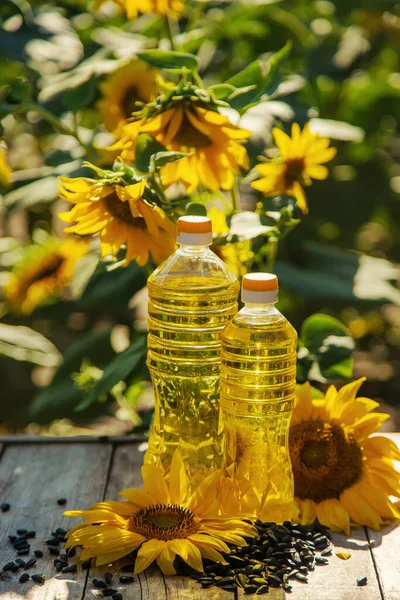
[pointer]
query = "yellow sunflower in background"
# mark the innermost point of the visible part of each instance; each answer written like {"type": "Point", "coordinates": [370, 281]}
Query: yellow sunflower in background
{"type": "Point", "coordinates": [42, 274]}
{"type": "Point", "coordinates": [170, 8]}
{"type": "Point", "coordinates": [302, 158]}
{"type": "Point", "coordinates": [134, 82]}
{"type": "Point", "coordinates": [214, 144]}
{"type": "Point", "coordinates": [121, 216]}
{"type": "Point", "coordinates": [5, 169]}
{"type": "Point", "coordinates": [342, 475]}
{"type": "Point", "coordinates": [162, 521]}
{"type": "Point", "coordinates": [236, 255]}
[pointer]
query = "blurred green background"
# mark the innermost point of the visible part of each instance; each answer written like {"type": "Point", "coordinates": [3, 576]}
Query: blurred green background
{"type": "Point", "coordinates": [71, 369]}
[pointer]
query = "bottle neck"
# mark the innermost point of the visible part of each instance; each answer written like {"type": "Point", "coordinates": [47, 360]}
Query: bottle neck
{"type": "Point", "coordinates": [191, 250]}
{"type": "Point", "coordinates": [259, 309]}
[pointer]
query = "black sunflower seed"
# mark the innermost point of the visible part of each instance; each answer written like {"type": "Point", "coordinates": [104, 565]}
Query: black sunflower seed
{"type": "Point", "coordinates": [226, 581]}
{"type": "Point", "coordinates": [30, 563]}
{"type": "Point", "coordinates": [250, 589]}
{"type": "Point", "coordinates": [38, 578]}
{"type": "Point", "coordinates": [127, 568]}
{"type": "Point", "coordinates": [362, 581]}
{"type": "Point", "coordinates": [52, 542]}
{"type": "Point", "coordinates": [22, 531]}
{"type": "Point", "coordinates": [108, 592]}
{"type": "Point", "coordinates": [320, 560]}
{"type": "Point", "coordinates": [326, 552]}
{"type": "Point", "coordinates": [206, 584]}
{"type": "Point", "coordinates": [24, 577]}
{"type": "Point", "coordinates": [12, 538]}
{"type": "Point", "coordinates": [236, 561]}
{"type": "Point", "coordinates": [262, 590]}
{"type": "Point", "coordinates": [23, 552]}
{"type": "Point", "coordinates": [241, 580]}
{"type": "Point", "coordinates": [38, 553]}
{"type": "Point", "coordinates": [108, 578]}
{"type": "Point", "coordinates": [86, 564]}
{"type": "Point", "coordinates": [126, 579]}
{"type": "Point", "coordinates": [71, 552]}
{"type": "Point", "coordinates": [301, 577]}
{"type": "Point", "coordinates": [5, 506]}
{"type": "Point", "coordinates": [117, 596]}
{"type": "Point", "coordinates": [70, 569]}
{"type": "Point", "coordinates": [30, 535]}
{"type": "Point", "coordinates": [53, 550]}
{"type": "Point", "coordinates": [99, 583]}
{"type": "Point", "coordinates": [62, 501]}
{"type": "Point", "coordinates": [58, 565]}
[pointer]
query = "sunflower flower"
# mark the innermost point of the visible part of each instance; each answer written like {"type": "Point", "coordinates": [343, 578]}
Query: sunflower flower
{"type": "Point", "coordinates": [161, 521]}
{"type": "Point", "coordinates": [132, 83]}
{"type": "Point", "coordinates": [121, 216]}
{"type": "Point", "coordinates": [42, 274]}
{"type": "Point", "coordinates": [342, 475]}
{"type": "Point", "coordinates": [214, 145]}
{"type": "Point", "coordinates": [5, 169]}
{"type": "Point", "coordinates": [170, 8]}
{"type": "Point", "coordinates": [302, 158]}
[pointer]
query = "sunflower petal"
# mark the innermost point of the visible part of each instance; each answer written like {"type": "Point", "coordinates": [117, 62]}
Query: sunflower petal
{"type": "Point", "coordinates": [178, 480]}
{"type": "Point", "coordinates": [147, 554]}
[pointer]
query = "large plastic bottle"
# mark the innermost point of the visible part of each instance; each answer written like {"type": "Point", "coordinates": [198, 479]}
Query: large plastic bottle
{"type": "Point", "coordinates": [258, 380]}
{"type": "Point", "coordinates": [192, 296]}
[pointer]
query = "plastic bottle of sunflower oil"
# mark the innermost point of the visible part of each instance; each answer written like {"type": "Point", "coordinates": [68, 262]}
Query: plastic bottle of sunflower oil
{"type": "Point", "coordinates": [192, 296]}
{"type": "Point", "coordinates": [258, 379]}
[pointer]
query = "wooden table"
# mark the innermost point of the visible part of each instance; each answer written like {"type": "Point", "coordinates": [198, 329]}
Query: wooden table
{"type": "Point", "coordinates": [34, 473]}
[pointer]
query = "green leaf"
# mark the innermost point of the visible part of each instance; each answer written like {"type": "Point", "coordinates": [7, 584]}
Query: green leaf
{"type": "Point", "coordinates": [326, 349]}
{"type": "Point", "coordinates": [168, 59]}
{"type": "Point", "coordinates": [59, 399]}
{"type": "Point", "coordinates": [253, 85]}
{"type": "Point", "coordinates": [80, 96]}
{"type": "Point", "coordinates": [117, 370]}
{"type": "Point", "coordinates": [162, 158]}
{"type": "Point", "coordinates": [25, 344]}
{"type": "Point", "coordinates": [193, 208]}
{"type": "Point", "coordinates": [340, 276]}
{"type": "Point", "coordinates": [251, 77]}
{"type": "Point", "coordinates": [221, 91]}
{"type": "Point", "coordinates": [112, 290]}
{"type": "Point", "coordinates": [146, 147]}
{"type": "Point", "coordinates": [21, 89]}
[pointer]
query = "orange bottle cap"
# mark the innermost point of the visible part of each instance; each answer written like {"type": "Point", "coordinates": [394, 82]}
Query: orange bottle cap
{"type": "Point", "coordinates": [260, 288]}
{"type": "Point", "coordinates": [194, 224]}
{"type": "Point", "coordinates": [194, 230]}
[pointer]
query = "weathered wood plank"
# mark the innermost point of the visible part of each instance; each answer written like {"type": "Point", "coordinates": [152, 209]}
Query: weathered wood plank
{"type": "Point", "coordinates": [80, 439]}
{"type": "Point", "coordinates": [385, 546]}
{"type": "Point", "coordinates": [151, 585]}
{"type": "Point", "coordinates": [32, 478]}
{"type": "Point", "coordinates": [338, 579]}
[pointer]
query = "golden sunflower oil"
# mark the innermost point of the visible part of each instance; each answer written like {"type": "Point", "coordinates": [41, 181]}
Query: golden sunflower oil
{"type": "Point", "coordinates": [192, 296]}
{"type": "Point", "coordinates": [258, 379]}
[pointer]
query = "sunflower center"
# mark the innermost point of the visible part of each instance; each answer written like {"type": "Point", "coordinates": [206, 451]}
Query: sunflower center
{"type": "Point", "coordinates": [325, 460]}
{"type": "Point", "coordinates": [50, 268]}
{"type": "Point", "coordinates": [129, 101]}
{"type": "Point", "coordinates": [293, 171]}
{"type": "Point", "coordinates": [122, 211]}
{"type": "Point", "coordinates": [187, 135]}
{"type": "Point", "coordinates": [164, 522]}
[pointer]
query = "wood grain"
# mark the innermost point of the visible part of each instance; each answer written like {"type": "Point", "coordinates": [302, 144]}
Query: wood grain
{"type": "Point", "coordinates": [32, 478]}
{"type": "Point", "coordinates": [151, 585]}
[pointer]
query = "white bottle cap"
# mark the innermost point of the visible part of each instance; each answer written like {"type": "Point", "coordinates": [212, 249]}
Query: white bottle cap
{"type": "Point", "coordinates": [260, 288]}
{"type": "Point", "coordinates": [194, 231]}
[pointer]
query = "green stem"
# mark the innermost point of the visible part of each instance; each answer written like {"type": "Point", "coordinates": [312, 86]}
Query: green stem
{"type": "Point", "coordinates": [235, 196]}
{"type": "Point", "coordinates": [272, 252]}
{"type": "Point", "coordinates": [172, 30]}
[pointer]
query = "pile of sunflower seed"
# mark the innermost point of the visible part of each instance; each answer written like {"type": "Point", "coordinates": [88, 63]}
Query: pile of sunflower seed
{"type": "Point", "coordinates": [277, 555]}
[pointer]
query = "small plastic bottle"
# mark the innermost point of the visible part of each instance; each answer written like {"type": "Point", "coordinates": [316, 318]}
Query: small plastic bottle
{"type": "Point", "coordinates": [258, 380]}
{"type": "Point", "coordinates": [192, 296]}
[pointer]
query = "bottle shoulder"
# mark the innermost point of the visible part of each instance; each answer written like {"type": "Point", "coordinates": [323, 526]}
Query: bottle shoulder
{"type": "Point", "coordinates": [245, 328]}
{"type": "Point", "coordinates": [202, 269]}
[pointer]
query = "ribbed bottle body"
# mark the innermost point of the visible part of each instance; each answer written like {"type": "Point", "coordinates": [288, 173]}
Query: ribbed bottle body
{"type": "Point", "coordinates": [258, 379]}
{"type": "Point", "coordinates": [189, 305]}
